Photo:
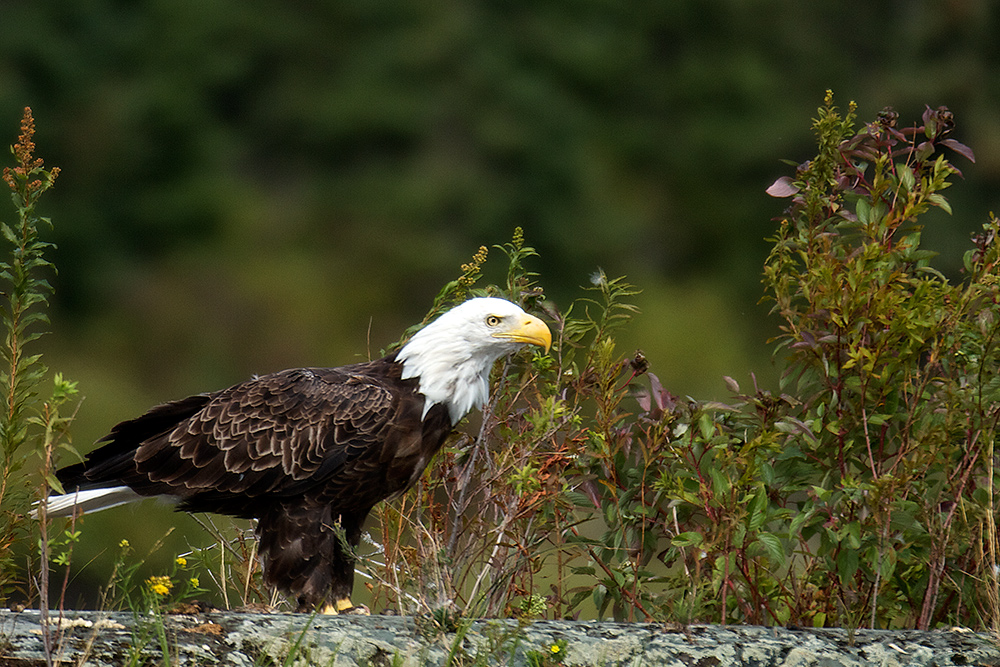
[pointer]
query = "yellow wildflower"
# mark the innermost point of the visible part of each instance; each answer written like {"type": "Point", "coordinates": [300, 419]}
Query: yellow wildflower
{"type": "Point", "coordinates": [555, 648]}
{"type": "Point", "coordinates": [160, 585]}
{"type": "Point", "coordinates": [182, 561]}
{"type": "Point", "coordinates": [194, 582]}
{"type": "Point", "coordinates": [123, 544]}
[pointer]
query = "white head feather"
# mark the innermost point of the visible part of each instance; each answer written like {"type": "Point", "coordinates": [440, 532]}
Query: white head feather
{"type": "Point", "coordinates": [453, 355]}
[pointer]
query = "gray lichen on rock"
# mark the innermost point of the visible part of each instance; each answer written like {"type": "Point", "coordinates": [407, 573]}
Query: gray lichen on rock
{"type": "Point", "coordinates": [232, 638]}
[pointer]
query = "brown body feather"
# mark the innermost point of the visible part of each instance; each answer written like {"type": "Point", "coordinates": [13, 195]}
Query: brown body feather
{"type": "Point", "coordinates": [308, 452]}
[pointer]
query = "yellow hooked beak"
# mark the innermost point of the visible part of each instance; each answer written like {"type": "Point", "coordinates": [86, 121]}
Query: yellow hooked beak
{"type": "Point", "coordinates": [530, 330]}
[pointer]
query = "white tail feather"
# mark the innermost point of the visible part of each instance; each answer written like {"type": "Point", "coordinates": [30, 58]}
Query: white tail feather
{"type": "Point", "coordinates": [91, 500]}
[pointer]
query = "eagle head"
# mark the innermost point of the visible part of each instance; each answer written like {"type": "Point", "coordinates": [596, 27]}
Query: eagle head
{"type": "Point", "coordinates": [452, 356]}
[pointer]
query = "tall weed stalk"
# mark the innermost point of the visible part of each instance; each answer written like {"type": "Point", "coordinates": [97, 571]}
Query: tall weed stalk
{"type": "Point", "coordinates": [29, 426]}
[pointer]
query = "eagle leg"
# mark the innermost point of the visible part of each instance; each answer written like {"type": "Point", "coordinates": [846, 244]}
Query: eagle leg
{"type": "Point", "coordinates": [309, 550]}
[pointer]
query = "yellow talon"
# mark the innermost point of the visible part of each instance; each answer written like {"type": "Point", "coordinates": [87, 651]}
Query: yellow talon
{"type": "Point", "coordinates": [342, 606]}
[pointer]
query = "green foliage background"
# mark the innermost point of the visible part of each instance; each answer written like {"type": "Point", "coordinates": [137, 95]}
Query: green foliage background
{"type": "Point", "coordinates": [249, 186]}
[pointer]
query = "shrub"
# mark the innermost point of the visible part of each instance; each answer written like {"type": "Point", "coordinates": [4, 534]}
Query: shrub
{"type": "Point", "coordinates": [862, 493]}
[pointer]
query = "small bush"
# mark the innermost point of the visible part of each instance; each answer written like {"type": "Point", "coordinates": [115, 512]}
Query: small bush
{"type": "Point", "coordinates": [861, 494]}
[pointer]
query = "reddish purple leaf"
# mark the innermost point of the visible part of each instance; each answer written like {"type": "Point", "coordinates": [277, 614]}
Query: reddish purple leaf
{"type": "Point", "coordinates": [654, 382]}
{"type": "Point", "coordinates": [960, 148]}
{"type": "Point", "coordinates": [783, 187]}
{"type": "Point", "coordinates": [642, 397]}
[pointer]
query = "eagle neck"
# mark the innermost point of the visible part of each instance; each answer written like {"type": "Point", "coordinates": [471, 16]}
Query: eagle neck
{"type": "Point", "coordinates": [448, 373]}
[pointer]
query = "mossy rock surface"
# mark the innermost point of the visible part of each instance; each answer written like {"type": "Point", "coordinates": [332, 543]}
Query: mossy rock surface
{"type": "Point", "coordinates": [233, 638]}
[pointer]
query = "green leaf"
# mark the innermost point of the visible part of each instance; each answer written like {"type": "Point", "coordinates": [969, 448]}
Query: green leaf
{"type": "Point", "coordinates": [847, 564]}
{"type": "Point", "coordinates": [758, 510]}
{"type": "Point", "coordinates": [775, 549]}
{"type": "Point", "coordinates": [599, 596]}
{"type": "Point", "coordinates": [906, 177]}
{"type": "Point", "coordinates": [53, 482]}
{"type": "Point", "coordinates": [579, 499]}
{"type": "Point", "coordinates": [939, 201]}
{"type": "Point", "coordinates": [883, 562]}
{"type": "Point", "coordinates": [707, 426]}
{"type": "Point", "coordinates": [878, 419]}
{"type": "Point", "coordinates": [851, 535]}
{"type": "Point", "coordinates": [720, 483]}
{"type": "Point", "coordinates": [863, 211]}
{"type": "Point", "coordinates": [797, 521]}
{"type": "Point", "coordinates": [688, 539]}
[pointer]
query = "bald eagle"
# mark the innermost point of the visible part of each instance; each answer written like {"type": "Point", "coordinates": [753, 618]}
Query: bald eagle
{"type": "Point", "coordinates": [307, 452]}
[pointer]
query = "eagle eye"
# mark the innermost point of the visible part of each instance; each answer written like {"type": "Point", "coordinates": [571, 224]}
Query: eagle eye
{"type": "Point", "coordinates": [493, 321]}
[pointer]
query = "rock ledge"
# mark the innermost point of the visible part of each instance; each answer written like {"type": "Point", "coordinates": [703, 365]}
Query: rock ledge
{"type": "Point", "coordinates": [229, 638]}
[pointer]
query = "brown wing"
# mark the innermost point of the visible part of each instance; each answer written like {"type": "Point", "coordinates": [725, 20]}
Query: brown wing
{"type": "Point", "coordinates": [351, 435]}
{"type": "Point", "coordinates": [274, 434]}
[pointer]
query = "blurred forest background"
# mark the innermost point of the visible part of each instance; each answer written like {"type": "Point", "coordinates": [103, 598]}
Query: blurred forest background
{"type": "Point", "coordinates": [248, 186]}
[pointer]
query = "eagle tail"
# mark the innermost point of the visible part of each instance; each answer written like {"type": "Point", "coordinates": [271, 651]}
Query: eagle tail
{"type": "Point", "coordinates": [100, 482]}
{"type": "Point", "coordinates": [90, 500]}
